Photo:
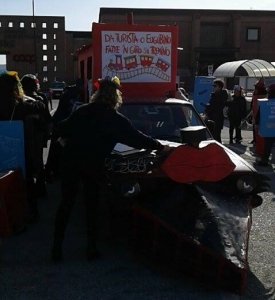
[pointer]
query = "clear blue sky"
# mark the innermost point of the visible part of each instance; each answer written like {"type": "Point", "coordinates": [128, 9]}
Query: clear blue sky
{"type": "Point", "coordinates": [79, 14]}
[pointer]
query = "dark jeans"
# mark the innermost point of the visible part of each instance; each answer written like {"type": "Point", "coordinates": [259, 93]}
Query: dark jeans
{"type": "Point", "coordinates": [53, 160]}
{"type": "Point", "coordinates": [217, 133]}
{"type": "Point", "coordinates": [31, 195]}
{"type": "Point", "coordinates": [92, 179]}
{"type": "Point", "coordinates": [268, 144]}
{"type": "Point", "coordinates": [235, 125]}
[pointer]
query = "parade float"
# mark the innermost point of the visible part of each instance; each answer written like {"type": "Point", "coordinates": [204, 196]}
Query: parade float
{"type": "Point", "coordinates": [190, 209]}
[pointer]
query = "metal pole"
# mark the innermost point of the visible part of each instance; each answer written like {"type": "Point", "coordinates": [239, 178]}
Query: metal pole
{"type": "Point", "coordinates": [34, 39]}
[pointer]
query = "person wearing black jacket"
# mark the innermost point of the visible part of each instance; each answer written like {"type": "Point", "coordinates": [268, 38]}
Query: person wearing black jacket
{"type": "Point", "coordinates": [236, 113]}
{"type": "Point", "coordinates": [15, 106]}
{"type": "Point", "coordinates": [215, 106]}
{"type": "Point", "coordinates": [90, 134]}
{"type": "Point", "coordinates": [43, 122]}
{"type": "Point", "coordinates": [69, 100]}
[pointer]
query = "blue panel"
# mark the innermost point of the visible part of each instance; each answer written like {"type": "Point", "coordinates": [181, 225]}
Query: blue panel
{"type": "Point", "coordinates": [267, 117]}
{"type": "Point", "coordinates": [12, 154]}
{"type": "Point", "coordinates": [202, 91]}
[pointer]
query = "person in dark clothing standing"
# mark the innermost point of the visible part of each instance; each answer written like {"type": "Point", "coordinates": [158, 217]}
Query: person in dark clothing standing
{"type": "Point", "coordinates": [91, 133]}
{"type": "Point", "coordinates": [14, 106]}
{"type": "Point", "coordinates": [215, 106]}
{"type": "Point", "coordinates": [236, 113]}
{"type": "Point", "coordinates": [69, 100]}
{"type": "Point", "coordinates": [42, 123]}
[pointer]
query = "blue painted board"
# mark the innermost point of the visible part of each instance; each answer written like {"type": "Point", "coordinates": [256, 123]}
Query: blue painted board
{"type": "Point", "coordinates": [12, 153]}
{"type": "Point", "coordinates": [202, 91]}
{"type": "Point", "coordinates": [267, 117]}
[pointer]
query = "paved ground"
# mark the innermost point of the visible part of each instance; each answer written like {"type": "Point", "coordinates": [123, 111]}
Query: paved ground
{"type": "Point", "coordinates": [27, 273]}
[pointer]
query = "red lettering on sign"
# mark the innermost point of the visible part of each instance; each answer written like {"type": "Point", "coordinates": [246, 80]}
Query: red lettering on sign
{"type": "Point", "coordinates": [30, 58]}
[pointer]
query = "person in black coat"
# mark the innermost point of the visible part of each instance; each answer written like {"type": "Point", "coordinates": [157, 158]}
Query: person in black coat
{"type": "Point", "coordinates": [236, 113]}
{"type": "Point", "coordinates": [69, 100]}
{"type": "Point", "coordinates": [90, 134]}
{"type": "Point", "coordinates": [30, 85]}
{"type": "Point", "coordinates": [215, 106]}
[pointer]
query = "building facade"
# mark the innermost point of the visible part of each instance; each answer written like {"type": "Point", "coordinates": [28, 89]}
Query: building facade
{"type": "Point", "coordinates": [40, 45]}
{"type": "Point", "coordinates": [208, 37]}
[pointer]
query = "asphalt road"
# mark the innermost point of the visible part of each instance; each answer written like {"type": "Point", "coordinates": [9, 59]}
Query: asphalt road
{"type": "Point", "coordinates": [27, 273]}
{"type": "Point", "coordinates": [261, 254]}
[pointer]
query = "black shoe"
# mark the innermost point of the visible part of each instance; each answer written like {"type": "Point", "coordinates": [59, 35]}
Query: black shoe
{"type": "Point", "coordinates": [231, 141]}
{"type": "Point", "coordinates": [263, 163]}
{"type": "Point", "coordinates": [238, 141]}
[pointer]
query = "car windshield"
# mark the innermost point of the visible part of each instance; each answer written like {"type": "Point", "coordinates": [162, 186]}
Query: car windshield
{"type": "Point", "coordinates": [58, 85]}
{"type": "Point", "coordinates": [162, 121]}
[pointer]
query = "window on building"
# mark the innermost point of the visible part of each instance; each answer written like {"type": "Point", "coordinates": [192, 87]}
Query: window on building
{"type": "Point", "coordinates": [44, 47]}
{"type": "Point", "coordinates": [55, 25]}
{"type": "Point", "coordinates": [22, 25]}
{"type": "Point", "coordinates": [44, 36]}
{"type": "Point", "coordinates": [54, 47]}
{"type": "Point", "coordinates": [10, 24]}
{"type": "Point", "coordinates": [54, 58]}
{"type": "Point", "coordinates": [45, 69]}
{"type": "Point", "coordinates": [214, 35]}
{"type": "Point", "coordinates": [54, 36]}
{"type": "Point", "coordinates": [45, 57]}
{"type": "Point", "coordinates": [33, 25]}
{"type": "Point", "coordinates": [0, 24]}
{"type": "Point", "coordinates": [253, 34]}
{"type": "Point", "coordinates": [54, 69]}
{"type": "Point", "coordinates": [44, 25]}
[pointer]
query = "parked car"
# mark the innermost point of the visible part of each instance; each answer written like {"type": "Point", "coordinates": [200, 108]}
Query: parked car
{"type": "Point", "coordinates": [193, 207]}
{"type": "Point", "coordinates": [57, 88]}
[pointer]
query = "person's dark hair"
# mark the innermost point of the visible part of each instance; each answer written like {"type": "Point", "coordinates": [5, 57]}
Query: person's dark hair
{"type": "Point", "coordinates": [108, 93]}
{"type": "Point", "coordinates": [219, 82]}
{"type": "Point", "coordinates": [29, 83]}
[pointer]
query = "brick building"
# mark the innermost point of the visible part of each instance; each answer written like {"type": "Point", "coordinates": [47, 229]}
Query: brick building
{"type": "Point", "coordinates": [41, 45]}
{"type": "Point", "coordinates": [209, 37]}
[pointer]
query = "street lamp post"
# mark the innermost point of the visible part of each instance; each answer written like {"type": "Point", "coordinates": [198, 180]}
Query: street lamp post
{"type": "Point", "coordinates": [34, 39]}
